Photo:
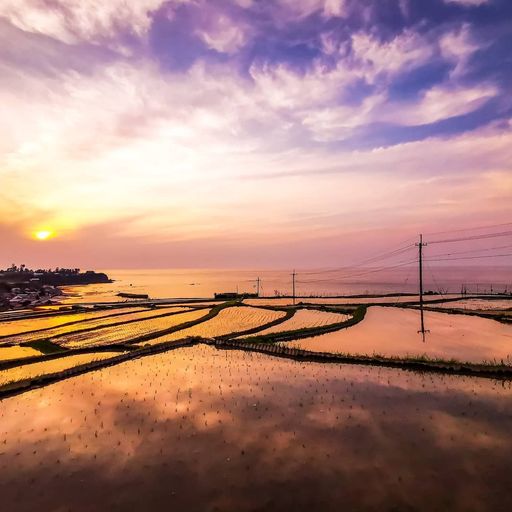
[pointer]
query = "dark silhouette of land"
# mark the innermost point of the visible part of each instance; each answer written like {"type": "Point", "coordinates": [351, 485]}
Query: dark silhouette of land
{"type": "Point", "coordinates": [21, 286]}
{"type": "Point", "coordinates": [56, 277]}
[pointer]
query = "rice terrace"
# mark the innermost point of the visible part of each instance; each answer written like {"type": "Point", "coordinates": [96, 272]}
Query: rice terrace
{"type": "Point", "coordinates": [255, 255]}
{"type": "Point", "coordinates": [145, 387]}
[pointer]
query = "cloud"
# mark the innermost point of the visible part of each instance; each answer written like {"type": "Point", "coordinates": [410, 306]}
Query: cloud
{"type": "Point", "coordinates": [304, 8]}
{"type": "Point", "coordinates": [436, 104]}
{"type": "Point", "coordinates": [107, 141]}
{"type": "Point", "coordinates": [404, 52]}
{"type": "Point", "coordinates": [308, 93]}
{"type": "Point", "coordinates": [457, 46]}
{"type": "Point", "coordinates": [468, 3]}
{"type": "Point", "coordinates": [224, 35]}
{"type": "Point", "coordinates": [340, 123]}
{"type": "Point", "coordinates": [74, 20]}
{"type": "Point", "coordinates": [365, 58]}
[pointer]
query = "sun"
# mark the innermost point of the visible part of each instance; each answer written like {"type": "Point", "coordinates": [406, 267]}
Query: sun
{"type": "Point", "coordinates": [43, 234]}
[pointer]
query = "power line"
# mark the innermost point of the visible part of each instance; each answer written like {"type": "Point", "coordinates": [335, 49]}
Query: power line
{"type": "Point", "coordinates": [384, 256]}
{"type": "Point", "coordinates": [434, 258]}
{"type": "Point", "coordinates": [470, 229]}
{"type": "Point", "coordinates": [374, 259]}
{"type": "Point", "coordinates": [400, 264]}
{"type": "Point", "coordinates": [360, 274]}
{"type": "Point", "coordinates": [473, 250]}
{"type": "Point", "coordinates": [475, 237]}
{"type": "Point", "coordinates": [472, 257]}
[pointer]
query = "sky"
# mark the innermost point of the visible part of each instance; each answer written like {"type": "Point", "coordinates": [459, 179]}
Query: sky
{"type": "Point", "coordinates": [246, 133]}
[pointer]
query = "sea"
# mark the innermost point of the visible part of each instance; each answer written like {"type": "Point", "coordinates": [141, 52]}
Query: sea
{"type": "Point", "coordinates": [203, 283]}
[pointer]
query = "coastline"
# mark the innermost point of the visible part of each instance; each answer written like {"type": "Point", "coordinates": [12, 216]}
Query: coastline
{"type": "Point", "coordinates": [21, 287]}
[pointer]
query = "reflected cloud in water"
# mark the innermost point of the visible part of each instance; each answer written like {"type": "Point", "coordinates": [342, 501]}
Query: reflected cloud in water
{"type": "Point", "coordinates": [203, 429]}
{"type": "Point", "coordinates": [397, 332]}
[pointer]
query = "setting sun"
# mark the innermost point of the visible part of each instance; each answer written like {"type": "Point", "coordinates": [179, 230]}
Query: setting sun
{"type": "Point", "coordinates": [43, 235]}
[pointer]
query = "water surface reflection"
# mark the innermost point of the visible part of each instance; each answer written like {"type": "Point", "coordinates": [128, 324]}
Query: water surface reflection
{"type": "Point", "coordinates": [200, 429]}
{"type": "Point", "coordinates": [400, 332]}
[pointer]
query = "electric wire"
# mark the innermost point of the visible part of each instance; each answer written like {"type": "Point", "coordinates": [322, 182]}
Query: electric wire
{"type": "Point", "coordinates": [471, 257]}
{"type": "Point", "coordinates": [469, 238]}
{"type": "Point", "coordinates": [375, 259]}
{"type": "Point", "coordinates": [473, 250]}
{"type": "Point", "coordinates": [360, 274]}
{"type": "Point", "coordinates": [479, 228]}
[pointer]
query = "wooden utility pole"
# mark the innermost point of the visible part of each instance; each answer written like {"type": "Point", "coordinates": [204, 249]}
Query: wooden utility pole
{"type": "Point", "coordinates": [293, 287]}
{"type": "Point", "coordinates": [258, 286]}
{"type": "Point", "coordinates": [420, 246]}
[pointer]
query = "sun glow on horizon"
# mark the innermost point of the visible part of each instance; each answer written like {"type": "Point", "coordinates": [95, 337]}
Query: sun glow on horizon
{"type": "Point", "coordinates": [44, 234]}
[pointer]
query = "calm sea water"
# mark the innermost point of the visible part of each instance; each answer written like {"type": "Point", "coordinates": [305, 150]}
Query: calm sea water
{"type": "Point", "coordinates": [190, 283]}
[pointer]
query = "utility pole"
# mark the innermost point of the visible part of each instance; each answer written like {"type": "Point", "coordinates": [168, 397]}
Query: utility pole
{"type": "Point", "coordinates": [258, 286]}
{"type": "Point", "coordinates": [293, 287]}
{"type": "Point", "coordinates": [420, 246]}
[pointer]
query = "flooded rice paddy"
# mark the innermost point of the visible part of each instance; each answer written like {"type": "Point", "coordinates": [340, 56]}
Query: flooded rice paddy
{"type": "Point", "coordinates": [202, 429]}
{"type": "Point", "coordinates": [229, 321]}
{"type": "Point", "coordinates": [30, 371]}
{"type": "Point", "coordinates": [7, 353]}
{"type": "Point", "coordinates": [394, 332]}
{"type": "Point", "coordinates": [126, 332]}
{"type": "Point", "coordinates": [87, 324]}
{"type": "Point", "coordinates": [13, 327]}
{"type": "Point", "coordinates": [477, 304]}
{"type": "Point", "coordinates": [303, 319]}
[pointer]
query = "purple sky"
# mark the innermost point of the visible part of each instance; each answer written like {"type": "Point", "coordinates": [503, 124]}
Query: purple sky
{"type": "Point", "coordinates": [246, 133]}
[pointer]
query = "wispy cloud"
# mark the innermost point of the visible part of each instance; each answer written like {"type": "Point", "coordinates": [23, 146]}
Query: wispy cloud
{"type": "Point", "coordinates": [469, 3]}
{"type": "Point", "coordinates": [74, 20]}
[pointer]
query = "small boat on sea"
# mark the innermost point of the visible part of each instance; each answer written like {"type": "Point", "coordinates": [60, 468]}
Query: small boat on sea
{"type": "Point", "coordinates": [133, 295]}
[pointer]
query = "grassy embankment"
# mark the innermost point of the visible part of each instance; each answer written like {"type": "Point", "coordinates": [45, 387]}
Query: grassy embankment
{"type": "Point", "coordinates": [488, 369]}
{"type": "Point", "coordinates": [503, 316]}
{"type": "Point", "coordinates": [308, 332]}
